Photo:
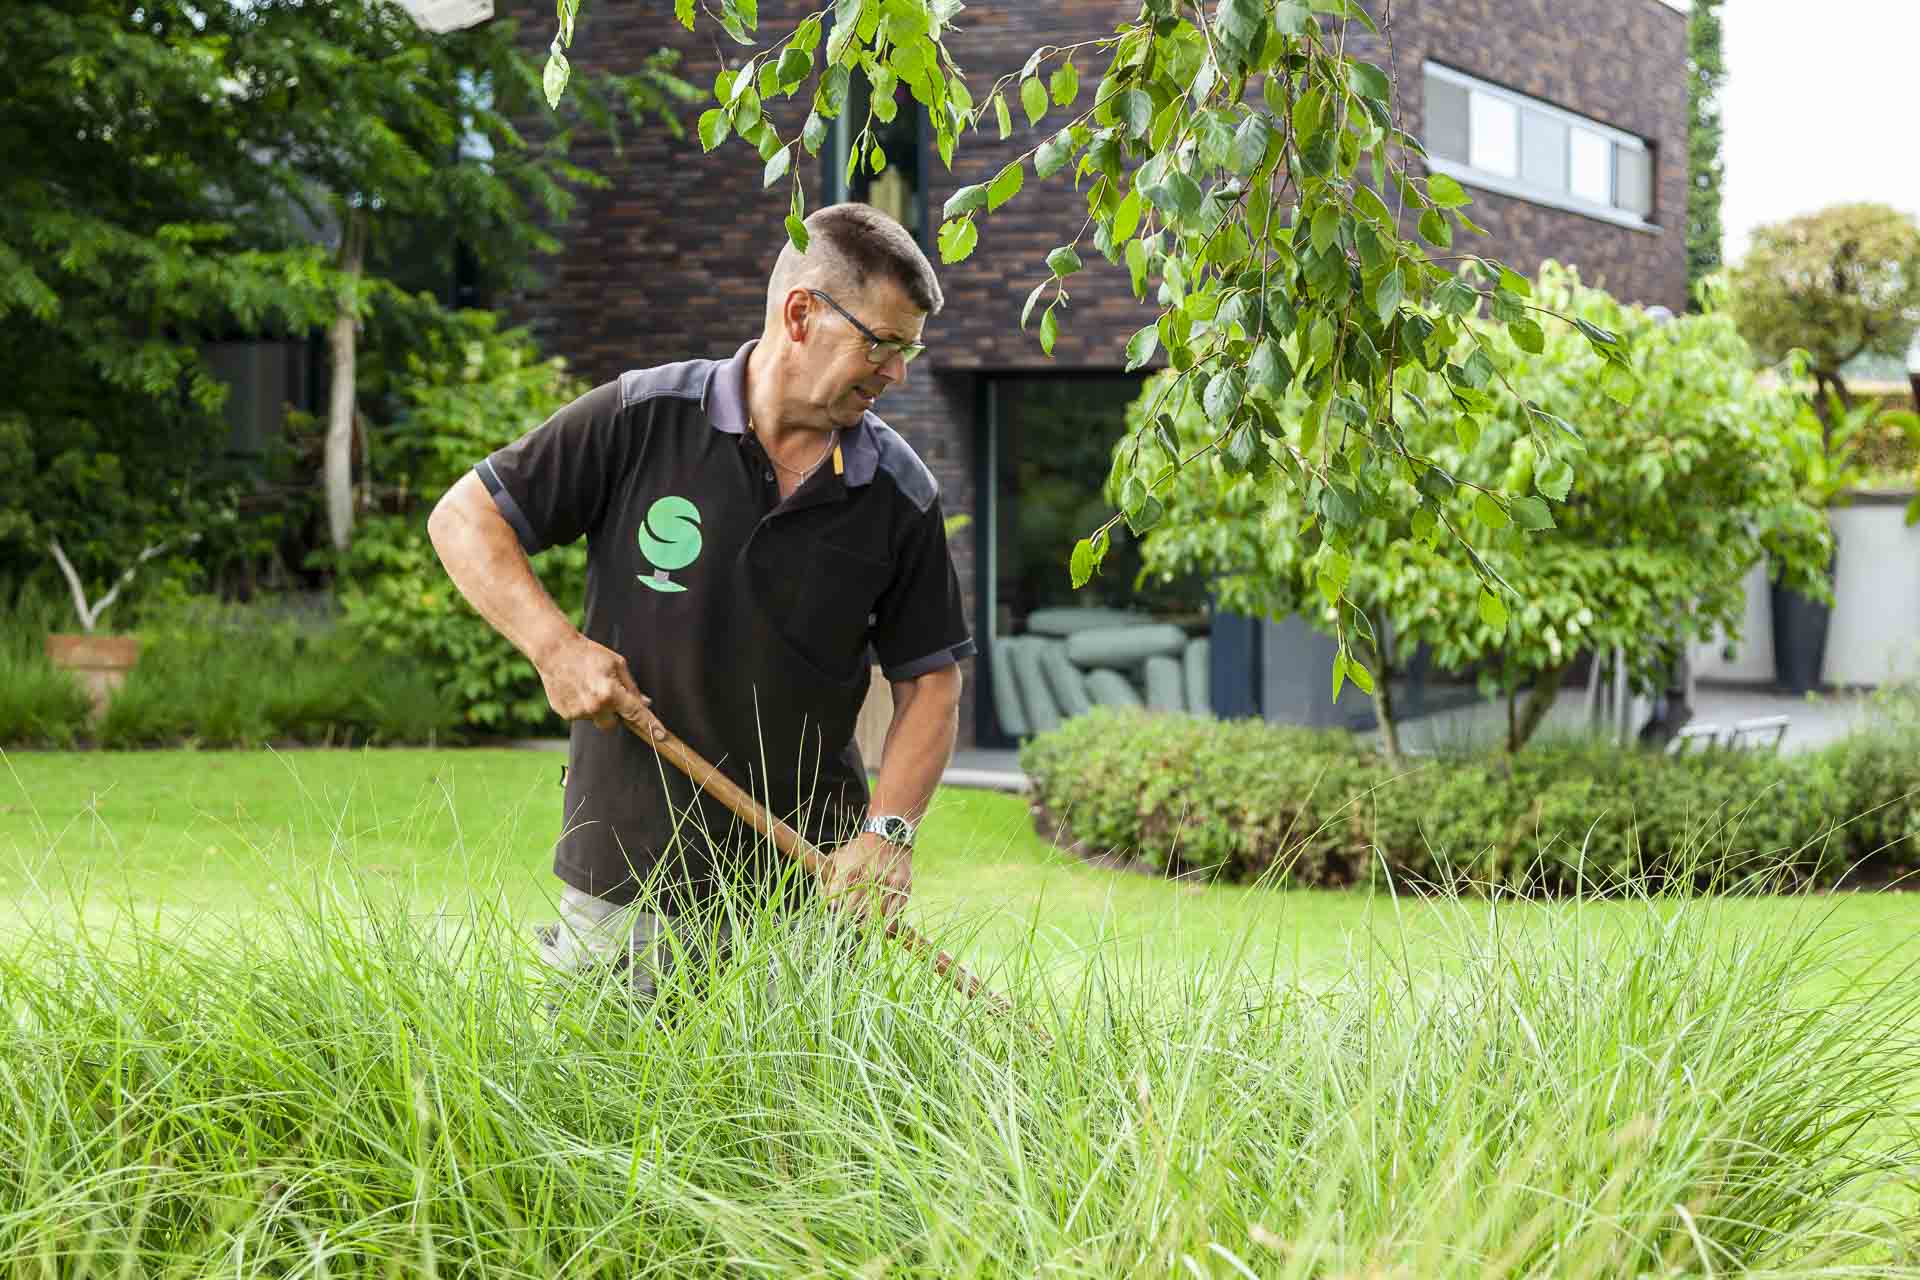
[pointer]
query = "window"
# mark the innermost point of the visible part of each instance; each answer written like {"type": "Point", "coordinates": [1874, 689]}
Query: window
{"type": "Point", "coordinates": [898, 190]}
{"type": "Point", "coordinates": [1519, 146]}
{"type": "Point", "coordinates": [1493, 135]}
{"type": "Point", "coordinates": [1046, 446]}
{"type": "Point", "coordinates": [1591, 161]}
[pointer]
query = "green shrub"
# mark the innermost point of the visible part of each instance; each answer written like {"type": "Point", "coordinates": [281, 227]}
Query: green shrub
{"type": "Point", "coordinates": [400, 602]}
{"type": "Point", "coordinates": [1245, 800]}
{"type": "Point", "coordinates": [464, 399]}
{"type": "Point", "coordinates": [226, 678]}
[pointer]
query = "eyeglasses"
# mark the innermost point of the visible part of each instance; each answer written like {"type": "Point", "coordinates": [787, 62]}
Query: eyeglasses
{"type": "Point", "coordinates": [879, 350]}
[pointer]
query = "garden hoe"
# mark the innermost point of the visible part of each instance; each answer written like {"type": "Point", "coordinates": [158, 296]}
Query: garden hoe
{"type": "Point", "coordinates": [800, 849]}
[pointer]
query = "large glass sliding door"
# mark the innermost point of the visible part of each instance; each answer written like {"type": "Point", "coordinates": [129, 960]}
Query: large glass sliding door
{"type": "Point", "coordinates": [1051, 651]}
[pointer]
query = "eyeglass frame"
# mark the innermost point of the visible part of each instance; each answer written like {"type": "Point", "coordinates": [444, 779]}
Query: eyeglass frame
{"type": "Point", "coordinates": [907, 351]}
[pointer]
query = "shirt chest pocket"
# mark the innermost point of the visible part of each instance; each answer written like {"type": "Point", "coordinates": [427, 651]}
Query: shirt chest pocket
{"type": "Point", "coordinates": [823, 596]}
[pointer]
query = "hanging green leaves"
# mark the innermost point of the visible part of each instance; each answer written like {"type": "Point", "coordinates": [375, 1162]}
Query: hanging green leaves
{"type": "Point", "coordinates": [1241, 163]}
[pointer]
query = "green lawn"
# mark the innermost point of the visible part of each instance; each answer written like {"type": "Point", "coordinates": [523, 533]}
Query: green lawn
{"type": "Point", "coordinates": [218, 830]}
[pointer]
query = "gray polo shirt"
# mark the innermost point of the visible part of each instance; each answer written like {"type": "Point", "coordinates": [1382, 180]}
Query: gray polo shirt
{"type": "Point", "coordinates": [750, 621]}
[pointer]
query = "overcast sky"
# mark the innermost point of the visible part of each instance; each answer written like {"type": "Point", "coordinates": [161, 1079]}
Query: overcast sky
{"type": "Point", "coordinates": [1820, 101]}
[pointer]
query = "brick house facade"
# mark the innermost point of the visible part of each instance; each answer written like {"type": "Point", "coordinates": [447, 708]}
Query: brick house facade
{"type": "Point", "coordinates": [671, 260]}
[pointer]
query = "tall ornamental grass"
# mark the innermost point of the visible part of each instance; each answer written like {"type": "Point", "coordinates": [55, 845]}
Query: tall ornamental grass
{"type": "Point", "coordinates": [40, 705]}
{"type": "Point", "coordinates": [339, 1085]}
{"type": "Point", "coordinates": [223, 677]}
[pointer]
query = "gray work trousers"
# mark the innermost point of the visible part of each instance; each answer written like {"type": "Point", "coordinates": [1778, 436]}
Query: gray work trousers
{"type": "Point", "coordinates": [594, 934]}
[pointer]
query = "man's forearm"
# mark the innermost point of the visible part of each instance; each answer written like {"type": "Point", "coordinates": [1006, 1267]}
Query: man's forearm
{"type": "Point", "coordinates": [926, 723]}
{"type": "Point", "coordinates": [485, 561]}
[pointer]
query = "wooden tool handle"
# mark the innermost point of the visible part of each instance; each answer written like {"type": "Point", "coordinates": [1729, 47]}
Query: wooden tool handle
{"type": "Point", "coordinates": [802, 850]}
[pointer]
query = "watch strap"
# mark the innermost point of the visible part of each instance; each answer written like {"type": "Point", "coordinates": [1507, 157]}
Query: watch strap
{"type": "Point", "coordinates": [890, 827]}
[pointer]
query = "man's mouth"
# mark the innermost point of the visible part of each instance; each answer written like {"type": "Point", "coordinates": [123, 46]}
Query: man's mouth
{"type": "Point", "coordinates": [865, 397]}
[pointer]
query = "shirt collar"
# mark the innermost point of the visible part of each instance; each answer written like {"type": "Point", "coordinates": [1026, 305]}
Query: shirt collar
{"type": "Point", "coordinates": [726, 406]}
{"type": "Point", "coordinates": [726, 397]}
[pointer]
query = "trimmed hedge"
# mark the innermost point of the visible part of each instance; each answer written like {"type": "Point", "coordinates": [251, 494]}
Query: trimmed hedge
{"type": "Point", "coordinates": [1245, 800]}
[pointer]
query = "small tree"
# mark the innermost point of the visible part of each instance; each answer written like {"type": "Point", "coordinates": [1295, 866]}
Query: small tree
{"type": "Point", "coordinates": [1677, 499]}
{"type": "Point", "coordinates": [1839, 283]}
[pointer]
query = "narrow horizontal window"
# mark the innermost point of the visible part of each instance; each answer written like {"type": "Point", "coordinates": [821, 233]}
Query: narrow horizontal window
{"type": "Point", "coordinates": [1520, 146]}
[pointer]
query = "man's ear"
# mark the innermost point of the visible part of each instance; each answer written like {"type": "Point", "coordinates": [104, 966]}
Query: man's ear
{"type": "Point", "coordinates": [796, 314]}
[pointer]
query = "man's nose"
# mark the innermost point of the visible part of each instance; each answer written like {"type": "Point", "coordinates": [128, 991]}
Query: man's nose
{"type": "Point", "coordinates": [895, 369]}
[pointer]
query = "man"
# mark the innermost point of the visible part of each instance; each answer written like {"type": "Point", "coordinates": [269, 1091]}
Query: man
{"type": "Point", "coordinates": [753, 527]}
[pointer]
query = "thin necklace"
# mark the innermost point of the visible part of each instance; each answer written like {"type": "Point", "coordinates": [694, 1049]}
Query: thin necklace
{"type": "Point", "coordinates": [832, 440]}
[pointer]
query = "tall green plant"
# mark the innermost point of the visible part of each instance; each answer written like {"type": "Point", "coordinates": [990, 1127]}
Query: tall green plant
{"type": "Point", "coordinates": [1828, 449]}
{"type": "Point", "coordinates": [1244, 162]}
{"type": "Point", "coordinates": [1706, 76]}
{"type": "Point", "coordinates": [1645, 551]}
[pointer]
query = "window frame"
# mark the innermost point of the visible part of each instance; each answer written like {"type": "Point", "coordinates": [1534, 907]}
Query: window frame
{"type": "Point", "coordinates": [1518, 187]}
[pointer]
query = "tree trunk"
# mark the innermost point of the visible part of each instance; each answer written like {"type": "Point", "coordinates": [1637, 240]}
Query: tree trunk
{"type": "Point", "coordinates": [1828, 385]}
{"type": "Point", "coordinates": [1383, 671]}
{"type": "Point", "coordinates": [1540, 700]}
{"type": "Point", "coordinates": [341, 334]}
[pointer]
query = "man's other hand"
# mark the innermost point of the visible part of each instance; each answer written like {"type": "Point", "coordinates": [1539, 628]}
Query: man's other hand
{"type": "Point", "coordinates": [867, 868]}
{"type": "Point", "coordinates": [588, 681]}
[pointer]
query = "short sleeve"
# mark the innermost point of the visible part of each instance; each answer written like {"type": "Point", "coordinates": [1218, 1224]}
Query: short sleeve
{"type": "Point", "coordinates": [920, 621]}
{"type": "Point", "coordinates": [554, 484]}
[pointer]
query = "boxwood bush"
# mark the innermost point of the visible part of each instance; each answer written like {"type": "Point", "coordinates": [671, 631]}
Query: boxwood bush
{"type": "Point", "coordinates": [1244, 800]}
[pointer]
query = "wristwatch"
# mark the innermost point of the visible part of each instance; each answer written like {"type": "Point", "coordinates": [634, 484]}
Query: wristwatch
{"type": "Point", "coordinates": [890, 827]}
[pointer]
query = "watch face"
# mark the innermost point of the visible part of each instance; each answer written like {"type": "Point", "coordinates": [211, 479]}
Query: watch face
{"type": "Point", "coordinates": [897, 830]}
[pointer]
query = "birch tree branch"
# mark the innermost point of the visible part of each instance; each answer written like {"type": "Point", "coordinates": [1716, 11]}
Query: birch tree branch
{"type": "Point", "coordinates": [89, 616]}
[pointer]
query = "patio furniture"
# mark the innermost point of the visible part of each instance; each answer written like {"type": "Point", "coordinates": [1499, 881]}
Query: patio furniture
{"type": "Point", "coordinates": [1759, 733]}
{"type": "Point", "coordinates": [1697, 739]}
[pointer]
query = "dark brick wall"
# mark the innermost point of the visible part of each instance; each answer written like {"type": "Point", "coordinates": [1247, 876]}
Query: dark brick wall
{"type": "Point", "coordinates": [1621, 62]}
{"type": "Point", "coordinates": [671, 260]}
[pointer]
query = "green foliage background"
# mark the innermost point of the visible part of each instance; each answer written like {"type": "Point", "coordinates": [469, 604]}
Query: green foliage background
{"type": "Point", "coordinates": [467, 392]}
{"type": "Point", "coordinates": [178, 174]}
{"type": "Point", "coordinates": [1706, 171]}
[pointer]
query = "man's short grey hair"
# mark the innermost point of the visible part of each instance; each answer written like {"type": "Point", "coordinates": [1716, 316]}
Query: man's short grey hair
{"type": "Point", "coordinates": [849, 245]}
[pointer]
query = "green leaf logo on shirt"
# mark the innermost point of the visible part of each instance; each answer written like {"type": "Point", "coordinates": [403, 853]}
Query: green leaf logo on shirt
{"type": "Point", "coordinates": [669, 539]}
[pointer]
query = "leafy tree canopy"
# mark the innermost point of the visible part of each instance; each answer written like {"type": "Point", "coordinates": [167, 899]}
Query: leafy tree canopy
{"type": "Point", "coordinates": [179, 172]}
{"type": "Point", "coordinates": [1838, 283]}
{"type": "Point", "coordinates": [1243, 162]}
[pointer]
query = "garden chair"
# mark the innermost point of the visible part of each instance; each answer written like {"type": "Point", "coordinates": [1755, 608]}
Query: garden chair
{"type": "Point", "coordinates": [1752, 735]}
{"type": "Point", "coordinates": [1696, 738]}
